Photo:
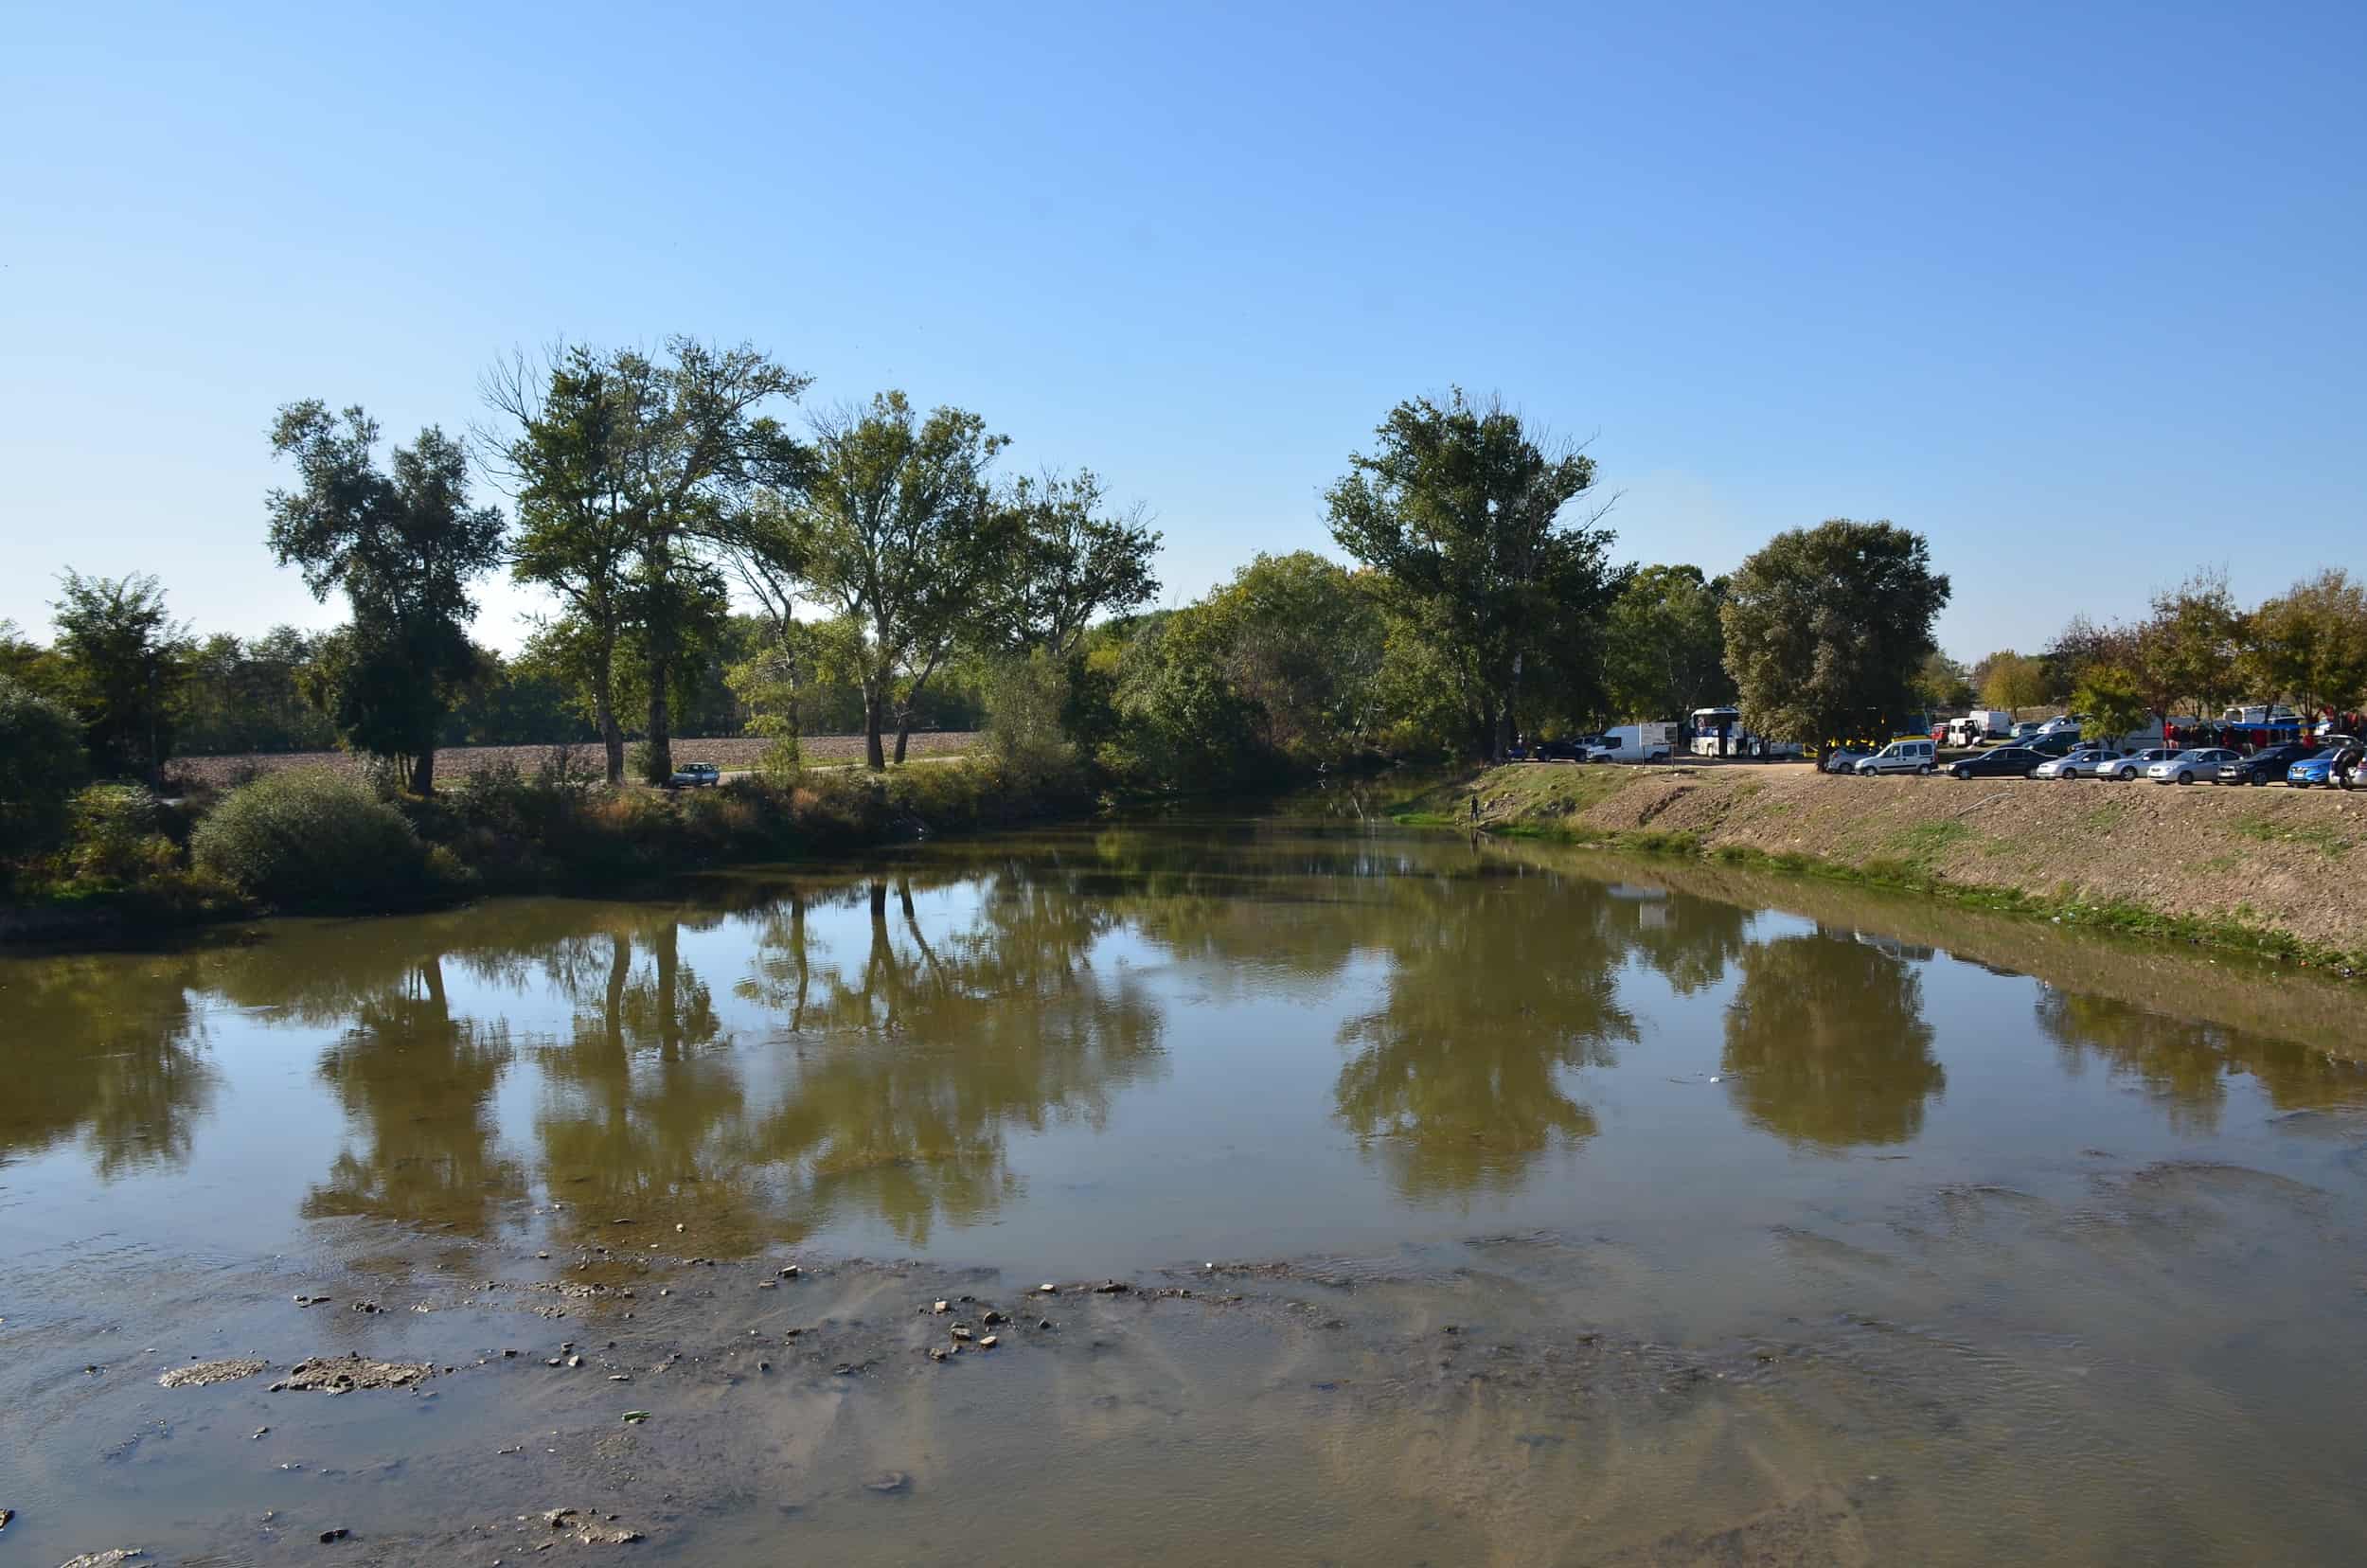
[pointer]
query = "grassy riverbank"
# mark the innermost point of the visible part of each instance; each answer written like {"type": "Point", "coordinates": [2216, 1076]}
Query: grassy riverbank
{"type": "Point", "coordinates": [315, 842]}
{"type": "Point", "coordinates": [2272, 871]}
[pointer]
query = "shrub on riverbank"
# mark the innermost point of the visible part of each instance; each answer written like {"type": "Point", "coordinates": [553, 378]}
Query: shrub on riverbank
{"type": "Point", "coordinates": [316, 841]}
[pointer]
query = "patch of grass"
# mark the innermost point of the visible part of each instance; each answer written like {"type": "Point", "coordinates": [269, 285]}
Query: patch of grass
{"type": "Point", "coordinates": [2105, 817]}
{"type": "Point", "coordinates": [1925, 843]}
{"type": "Point", "coordinates": [2261, 827]}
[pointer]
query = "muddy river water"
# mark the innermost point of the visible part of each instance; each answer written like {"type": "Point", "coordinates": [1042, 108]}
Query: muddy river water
{"type": "Point", "coordinates": [1471, 1202]}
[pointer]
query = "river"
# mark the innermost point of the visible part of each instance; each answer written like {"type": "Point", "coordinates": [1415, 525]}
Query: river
{"type": "Point", "coordinates": [1473, 1203]}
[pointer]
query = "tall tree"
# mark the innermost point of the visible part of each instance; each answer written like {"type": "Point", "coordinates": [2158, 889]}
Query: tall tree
{"type": "Point", "coordinates": [1663, 650]}
{"type": "Point", "coordinates": [402, 545]}
{"type": "Point", "coordinates": [2310, 642]}
{"type": "Point", "coordinates": [630, 471]}
{"type": "Point", "coordinates": [1826, 627]}
{"type": "Point", "coordinates": [2185, 650]}
{"type": "Point", "coordinates": [1942, 683]}
{"type": "Point", "coordinates": [899, 530]}
{"type": "Point", "coordinates": [1076, 560]}
{"type": "Point", "coordinates": [120, 659]}
{"type": "Point", "coordinates": [2014, 681]}
{"type": "Point", "coordinates": [1462, 513]}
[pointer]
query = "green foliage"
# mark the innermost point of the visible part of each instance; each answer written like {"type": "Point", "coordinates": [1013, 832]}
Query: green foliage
{"type": "Point", "coordinates": [120, 662]}
{"type": "Point", "coordinates": [1826, 624]}
{"type": "Point", "coordinates": [2186, 649]}
{"type": "Point", "coordinates": [306, 839]}
{"type": "Point", "coordinates": [116, 837]}
{"type": "Point", "coordinates": [895, 530]}
{"type": "Point", "coordinates": [1663, 648]}
{"type": "Point", "coordinates": [1073, 561]}
{"type": "Point", "coordinates": [1942, 684]}
{"type": "Point", "coordinates": [402, 545]}
{"type": "Point", "coordinates": [41, 766]}
{"type": "Point", "coordinates": [2110, 696]}
{"type": "Point", "coordinates": [2310, 642]}
{"type": "Point", "coordinates": [2014, 681]}
{"type": "Point", "coordinates": [1027, 700]}
{"type": "Point", "coordinates": [1460, 513]}
{"type": "Point", "coordinates": [247, 696]}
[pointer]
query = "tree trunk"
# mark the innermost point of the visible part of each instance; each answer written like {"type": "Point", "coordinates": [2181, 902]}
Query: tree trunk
{"type": "Point", "coordinates": [604, 702]}
{"type": "Point", "coordinates": [423, 771]}
{"type": "Point", "coordinates": [661, 767]}
{"type": "Point", "coordinates": [903, 732]}
{"type": "Point", "coordinates": [875, 756]}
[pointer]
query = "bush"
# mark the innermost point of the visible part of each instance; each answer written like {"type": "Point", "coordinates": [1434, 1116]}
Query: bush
{"type": "Point", "coordinates": [306, 839]}
{"type": "Point", "coordinates": [117, 836]}
{"type": "Point", "coordinates": [41, 766]}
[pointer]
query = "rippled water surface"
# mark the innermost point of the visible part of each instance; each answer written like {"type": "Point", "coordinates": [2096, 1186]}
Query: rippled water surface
{"type": "Point", "coordinates": [1979, 1241]}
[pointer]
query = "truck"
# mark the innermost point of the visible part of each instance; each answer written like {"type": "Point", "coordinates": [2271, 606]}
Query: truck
{"type": "Point", "coordinates": [1652, 742]}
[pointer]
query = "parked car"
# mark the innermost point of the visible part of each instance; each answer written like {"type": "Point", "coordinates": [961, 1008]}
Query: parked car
{"type": "Point", "coordinates": [1570, 749]}
{"type": "Point", "coordinates": [1915, 756]}
{"type": "Point", "coordinates": [2081, 762]}
{"type": "Point", "coordinates": [1998, 762]}
{"type": "Point", "coordinates": [695, 776]}
{"type": "Point", "coordinates": [2262, 767]}
{"type": "Point", "coordinates": [2024, 730]}
{"type": "Point", "coordinates": [1844, 760]}
{"type": "Point", "coordinates": [2059, 743]}
{"type": "Point", "coordinates": [2069, 722]}
{"type": "Point", "coordinates": [2187, 766]}
{"type": "Point", "coordinates": [2129, 764]}
{"type": "Point", "coordinates": [2318, 768]}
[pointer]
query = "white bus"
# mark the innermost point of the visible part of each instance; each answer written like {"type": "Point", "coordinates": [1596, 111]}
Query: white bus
{"type": "Point", "coordinates": [1719, 732]}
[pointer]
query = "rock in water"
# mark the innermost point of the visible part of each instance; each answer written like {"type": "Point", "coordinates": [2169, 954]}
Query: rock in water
{"type": "Point", "coordinates": [343, 1375]}
{"type": "Point", "coordinates": [199, 1373]}
{"type": "Point", "coordinates": [888, 1481]}
{"type": "Point", "coordinates": [103, 1559]}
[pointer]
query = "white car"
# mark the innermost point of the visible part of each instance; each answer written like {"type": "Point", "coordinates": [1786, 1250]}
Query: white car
{"type": "Point", "coordinates": [2187, 766]}
{"type": "Point", "coordinates": [1914, 756]}
{"type": "Point", "coordinates": [2072, 722]}
{"type": "Point", "coordinates": [2086, 762]}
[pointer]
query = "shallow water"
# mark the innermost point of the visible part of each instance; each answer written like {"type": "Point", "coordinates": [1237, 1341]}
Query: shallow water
{"type": "Point", "coordinates": [1777, 1223]}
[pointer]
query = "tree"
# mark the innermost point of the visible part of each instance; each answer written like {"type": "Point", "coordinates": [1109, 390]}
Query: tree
{"type": "Point", "coordinates": [1462, 513]}
{"type": "Point", "coordinates": [41, 766]}
{"type": "Point", "coordinates": [2310, 643]}
{"type": "Point", "coordinates": [2186, 648]}
{"type": "Point", "coordinates": [1827, 625]}
{"type": "Point", "coordinates": [1942, 684]}
{"type": "Point", "coordinates": [897, 529]}
{"type": "Point", "coordinates": [1663, 651]}
{"type": "Point", "coordinates": [2015, 681]}
{"type": "Point", "coordinates": [1075, 562]}
{"type": "Point", "coordinates": [631, 472]}
{"type": "Point", "coordinates": [2111, 699]}
{"type": "Point", "coordinates": [121, 658]}
{"type": "Point", "coordinates": [403, 546]}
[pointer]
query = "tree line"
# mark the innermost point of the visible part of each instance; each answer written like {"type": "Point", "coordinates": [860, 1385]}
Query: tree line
{"type": "Point", "coordinates": [711, 563]}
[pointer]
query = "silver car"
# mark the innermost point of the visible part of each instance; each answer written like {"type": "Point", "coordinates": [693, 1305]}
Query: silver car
{"type": "Point", "coordinates": [2086, 762]}
{"type": "Point", "coordinates": [2129, 764]}
{"type": "Point", "coordinates": [2187, 766]}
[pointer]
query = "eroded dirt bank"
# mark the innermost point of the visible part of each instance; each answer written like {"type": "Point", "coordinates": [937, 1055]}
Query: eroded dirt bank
{"type": "Point", "coordinates": [2210, 862]}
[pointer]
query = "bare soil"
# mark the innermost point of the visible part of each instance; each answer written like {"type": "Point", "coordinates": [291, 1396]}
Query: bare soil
{"type": "Point", "coordinates": [2293, 861]}
{"type": "Point", "coordinates": [733, 754]}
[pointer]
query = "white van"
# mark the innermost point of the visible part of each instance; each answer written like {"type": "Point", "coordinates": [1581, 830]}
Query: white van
{"type": "Point", "coordinates": [1914, 756]}
{"type": "Point", "coordinates": [1654, 742]}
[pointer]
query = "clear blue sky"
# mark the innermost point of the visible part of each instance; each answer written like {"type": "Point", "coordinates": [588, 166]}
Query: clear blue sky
{"type": "Point", "coordinates": [2075, 290]}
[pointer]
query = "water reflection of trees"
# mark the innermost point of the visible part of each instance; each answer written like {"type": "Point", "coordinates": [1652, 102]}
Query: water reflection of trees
{"type": "Point", "coordinates": [1825, 1042]}
{"type": "Point", "coordinates": [1455, 1083]}
{"type": "Point", "coordinates": [99, 1051]}
{"type": "Point", "coordinates": [2185, 1066]}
